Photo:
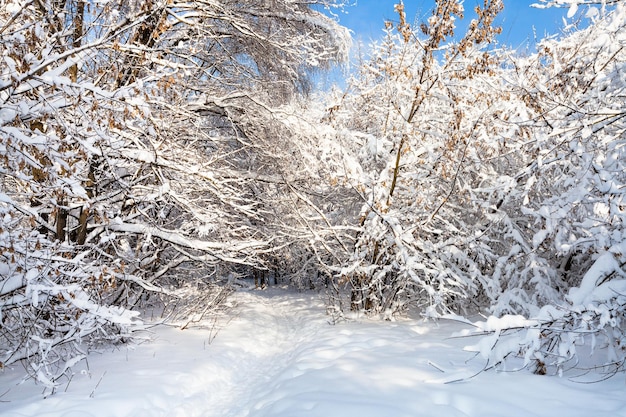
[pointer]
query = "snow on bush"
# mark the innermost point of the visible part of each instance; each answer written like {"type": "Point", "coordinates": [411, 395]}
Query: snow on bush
{"type": "Point", "coordinates": [426, 128]}
{"type": "Point", "coordinates": [54, 308]}
{"type": "Point", "coordinates": [573, 207]}
{"type": "Point", "coordinates": [591, 318]}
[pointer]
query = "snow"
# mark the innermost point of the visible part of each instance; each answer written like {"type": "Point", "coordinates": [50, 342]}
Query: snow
{"type": "Point", "coordinates": [572, 10]}
{"type": "Point", "coordinates": [604, 266]}
{"type": "Point", "coordinates": [280, 357]}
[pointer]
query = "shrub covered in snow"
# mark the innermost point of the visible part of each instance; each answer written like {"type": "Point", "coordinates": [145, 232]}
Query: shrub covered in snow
{"type": "Point", "coordinates": [568, 273]}
{"type": "Point", "coordinates": [54, 304]}
{"type": "Point", "coordinates": [591, 318]}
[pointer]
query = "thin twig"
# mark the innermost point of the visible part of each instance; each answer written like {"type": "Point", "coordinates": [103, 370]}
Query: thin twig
{"type": "Point", "coordinates": [93, 392]}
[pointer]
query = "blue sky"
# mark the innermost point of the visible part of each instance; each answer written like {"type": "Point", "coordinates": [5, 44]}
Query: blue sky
{"type": "Point", "coordinates": [519, 21]}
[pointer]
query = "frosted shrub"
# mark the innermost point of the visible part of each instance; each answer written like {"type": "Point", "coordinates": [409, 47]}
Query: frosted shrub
{"type": "Point", "coordinates": [53, 307]}
{"type": "Point", "coordinates": [551, 341]}
{"type": "Point", "coordinates": [567, 273]}
{"type": "Point", "coordinates": [422, 127]}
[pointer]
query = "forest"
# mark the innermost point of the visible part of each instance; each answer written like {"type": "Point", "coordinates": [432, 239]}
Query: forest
{"type": "Point", "coordinates": [158, 153]}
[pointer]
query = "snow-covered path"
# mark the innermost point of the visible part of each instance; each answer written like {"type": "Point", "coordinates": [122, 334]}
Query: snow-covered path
{"type": "Point", "coordinates": [279, 357]}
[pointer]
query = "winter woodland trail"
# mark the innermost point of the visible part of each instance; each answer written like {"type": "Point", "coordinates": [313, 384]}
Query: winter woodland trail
{"type": "Point", "coordinates": [279, 357]}
{"type": "Point", "coordinates": [186, 373]}
{"type": "Point", "coordinates": [259, 346]}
